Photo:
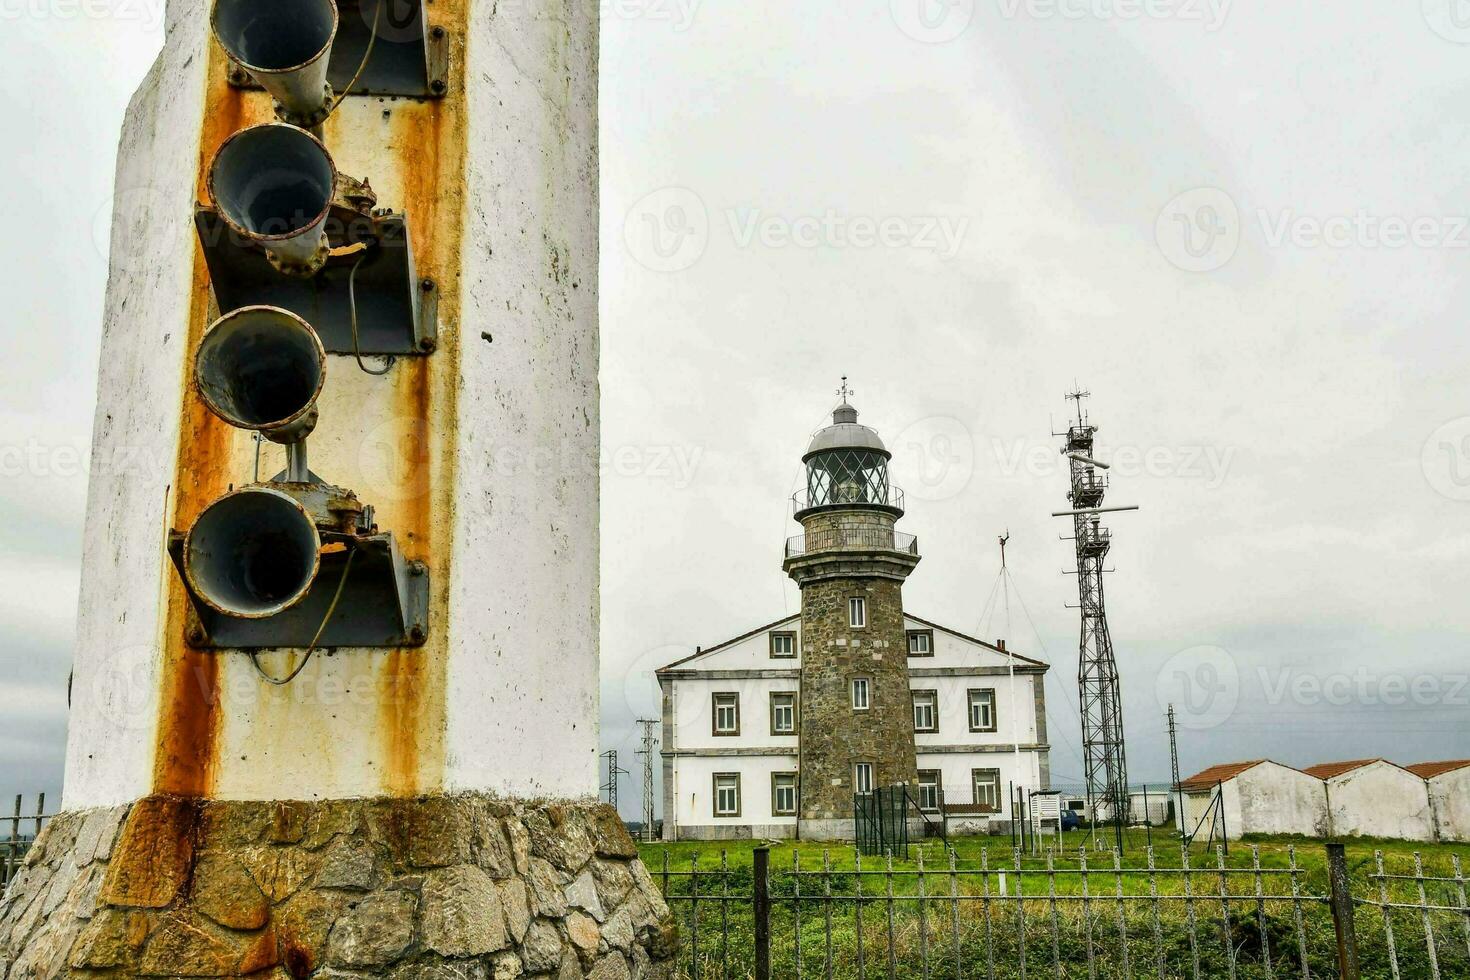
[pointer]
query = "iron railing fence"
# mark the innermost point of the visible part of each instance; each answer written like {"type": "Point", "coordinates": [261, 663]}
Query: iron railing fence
{"type": "Point", "coordinates": [1066, 916]}
{"type": "Point", "coordinates": [832, 539]}
{"type": "Point", "coordinates": [19, 833]}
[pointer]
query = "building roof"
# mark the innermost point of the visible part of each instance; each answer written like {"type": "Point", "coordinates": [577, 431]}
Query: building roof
{"type": "Point", "coordinates": [846, 433]}
{"type": "Point", "coordinates": [1330, 770]}
{"type": "Point", "coordinates": [1428, 770]}
{"type": "Point", "coordinates": [1206, 779]}
{"type": "Point", "coordinates": [796, 617]}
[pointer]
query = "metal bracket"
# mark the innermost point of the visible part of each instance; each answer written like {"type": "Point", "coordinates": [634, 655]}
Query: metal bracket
{"type": "Point", "coordinates": [385, 603]}
{"type": "Point", "coordinates": [397, 313]}
{"type": "Point", "coordinates": [409, 58]}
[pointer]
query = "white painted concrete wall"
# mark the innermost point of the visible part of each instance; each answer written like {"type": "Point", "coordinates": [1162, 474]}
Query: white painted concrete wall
{"type": "Point", "coordinates": [694, 790]}
{"type": "Point", "coordinates": [1380, 800]}
{"type": "Point", "coordinates": [524, 601]}
{"type": "Point", "coordinates": [1275, 799]}
{"type": "Point", "coordinates": [1450, 795]}
{"type": "Point", "coordinates": [135, 441]}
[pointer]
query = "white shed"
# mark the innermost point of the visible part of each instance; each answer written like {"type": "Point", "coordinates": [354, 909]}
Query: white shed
{"type": "Point", "coordinates": [1375, 798]}
{"type": "Point", "coordinates": [1449, 796]}
{"type": "Point", "coordinates": [1260, 797]}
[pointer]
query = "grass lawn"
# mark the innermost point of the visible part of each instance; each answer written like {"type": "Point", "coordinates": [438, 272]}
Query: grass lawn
{"type": "Point", "coordinates": [1058, 931]}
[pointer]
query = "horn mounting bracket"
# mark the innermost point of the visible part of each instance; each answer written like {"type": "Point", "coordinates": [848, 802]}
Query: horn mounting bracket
{"type": "Point", "coordinates": [410, 58]}
{"type": "Point", "coordinates": [385, 600]}
{"type": "Point", "coordinates": [397, 312]}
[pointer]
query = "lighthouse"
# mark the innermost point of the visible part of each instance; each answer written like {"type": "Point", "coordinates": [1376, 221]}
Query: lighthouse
{"type": "Point", "coordinates": [856, 712]}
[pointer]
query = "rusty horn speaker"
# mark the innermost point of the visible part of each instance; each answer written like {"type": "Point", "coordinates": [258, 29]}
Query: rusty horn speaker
{"type": "Point", "coordinates": [252, 554]}
{"type": "Point", "coordinates": [273, 184]}
{"type": "Point", "coordinates": [262, 368]}
{"type": "Point", "coordinates": [285, 45]}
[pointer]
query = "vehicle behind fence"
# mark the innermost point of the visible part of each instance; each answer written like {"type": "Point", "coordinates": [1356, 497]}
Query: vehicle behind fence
{"type": "Point", "coordinates": [1083, 914]}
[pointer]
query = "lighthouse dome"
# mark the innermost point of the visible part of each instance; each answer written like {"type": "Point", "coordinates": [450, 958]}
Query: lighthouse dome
{"type": "Point", "coordinates": [845, 433]}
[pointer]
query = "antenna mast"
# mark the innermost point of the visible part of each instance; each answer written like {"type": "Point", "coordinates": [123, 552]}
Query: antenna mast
{"type": "Point", "coordinates": [1104, 755]}
{"type": "Point", "coordinates": [1178, 790]}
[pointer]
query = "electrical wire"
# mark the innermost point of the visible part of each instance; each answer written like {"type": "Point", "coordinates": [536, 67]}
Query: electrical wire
{"type": "Point", "coordinates": [352, 309]}
{"type": "Point", "coordinates": [311, 649]}
{"type": "Point", "coordinates": [372, 41]}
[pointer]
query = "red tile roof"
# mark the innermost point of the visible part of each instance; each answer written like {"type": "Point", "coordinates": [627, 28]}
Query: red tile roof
{"type": "Point", "coordinates": [1428, 770]}
{"type": "Point", "coordinates": [1217, 774]}
{"type": "Point", "coordinates": [1329, 770]}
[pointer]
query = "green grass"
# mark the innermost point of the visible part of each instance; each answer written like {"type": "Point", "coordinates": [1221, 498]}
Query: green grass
{"type": "Point", "coordinates": [1056, 935]}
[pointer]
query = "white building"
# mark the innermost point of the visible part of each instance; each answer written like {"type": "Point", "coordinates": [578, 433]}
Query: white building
{"type": "Point", "coordinates": [730, 723]}
{"type": "Point", "coordinates": [1260, 797]}
{"type": "Point", "coordinates": [1375, 798]}
{"type": "Point", "coordinates": [1449, 796]}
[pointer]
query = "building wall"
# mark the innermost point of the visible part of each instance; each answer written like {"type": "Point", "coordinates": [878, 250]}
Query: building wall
{"type": "Point", "coordinates": [1450, 795]}
{"type": "Point", "coordinates": [1274, 799]}
{"type": "Point", "coordinates": [692, 753]}
{"type": "Point", "coordinates": [1380, 800]}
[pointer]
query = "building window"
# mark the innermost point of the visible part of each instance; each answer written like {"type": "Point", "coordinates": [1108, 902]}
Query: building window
{"type": "Point", "coordinates": [862, 777]}
{"type": "Point", "coordinates": [861, 694]}
{"type": "Point", "coordinates": [987, 789]}
{"type": "Point", "coordinates": [783, 646]}
{"type": "Point", "coordinates": [727, 714]}
{"type": "Point", "coordinates": [926, 711]}
{"type": "Point", "coordinates": [783, 794]}
{"type": "Point", "coordinates": [857, 612]}
{"type": "Point", "coordinates": [929, 789]}
{"type": "Point", "coordinates": [921, 643]}
{"type": "Point", "coordinates": [727, 794]}
{"type": "Point", "coordinates": [982, 710]}
{"type": "Point", "coordinates": [783, 714]}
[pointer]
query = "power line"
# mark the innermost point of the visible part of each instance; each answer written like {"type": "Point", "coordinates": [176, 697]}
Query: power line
{"type": "Point", "coordinates": [610, 788]}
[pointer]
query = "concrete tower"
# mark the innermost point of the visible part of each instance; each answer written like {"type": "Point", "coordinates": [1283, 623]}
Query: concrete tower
{"type": "Point", "coordinates": [856, 716]}
{"type": "Point", "coordinates": [341, 719]}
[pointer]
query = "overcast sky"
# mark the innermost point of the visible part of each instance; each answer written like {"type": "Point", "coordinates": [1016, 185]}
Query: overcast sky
{"type": "Point", "coordinates": [1242, 226]}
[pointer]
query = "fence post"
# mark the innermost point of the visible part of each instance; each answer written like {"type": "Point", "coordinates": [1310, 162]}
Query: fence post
{"type": "Point", "coordinates": [762, 905]}
{"type": "Point", "coordinates": [1342, 913]}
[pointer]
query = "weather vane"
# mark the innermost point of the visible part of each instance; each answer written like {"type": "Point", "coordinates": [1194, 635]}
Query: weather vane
{"type": "Point", "coordinates": [845, 392]}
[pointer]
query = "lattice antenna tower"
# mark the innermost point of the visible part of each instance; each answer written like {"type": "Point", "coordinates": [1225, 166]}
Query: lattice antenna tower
{"type": "Point", "coordinates": [1104, 754]}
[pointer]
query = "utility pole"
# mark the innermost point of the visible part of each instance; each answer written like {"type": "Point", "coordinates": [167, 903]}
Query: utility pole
{"type": "Point", "coordinates": [650, 741]}
{"type": "Point", "coordinates": [1174, 760]}
{"type": "Point", "coordinates": [610, 788]}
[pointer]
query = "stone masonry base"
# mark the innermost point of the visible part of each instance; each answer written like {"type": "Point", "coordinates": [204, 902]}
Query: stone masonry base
{"type": "Point", "coordinates": [445, 888]}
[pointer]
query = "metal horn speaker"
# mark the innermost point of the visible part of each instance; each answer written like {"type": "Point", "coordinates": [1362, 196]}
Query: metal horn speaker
{"type": "Point", "coordinates": [285, 45]}
{"type": "Point", "coordinates": [262, 368]}
{"type": "Point", "coordinates": [274, 185]}
{"type": "Point", "coordinates": [252, 554]}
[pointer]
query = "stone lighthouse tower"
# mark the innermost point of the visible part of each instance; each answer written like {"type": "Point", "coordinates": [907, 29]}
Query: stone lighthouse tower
{"type": "Point", "coordinates": [338, 718]}
{"type": "Point", "coordinates": [856, 716]}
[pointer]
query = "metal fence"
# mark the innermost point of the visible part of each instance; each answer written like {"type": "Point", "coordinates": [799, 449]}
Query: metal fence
{"type": "Point", "coordinates": [831, 539]}
{"type": "Point", "coordinates": [1068, 916]}
{"type": "Point", "coordinates": [21, 832]}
